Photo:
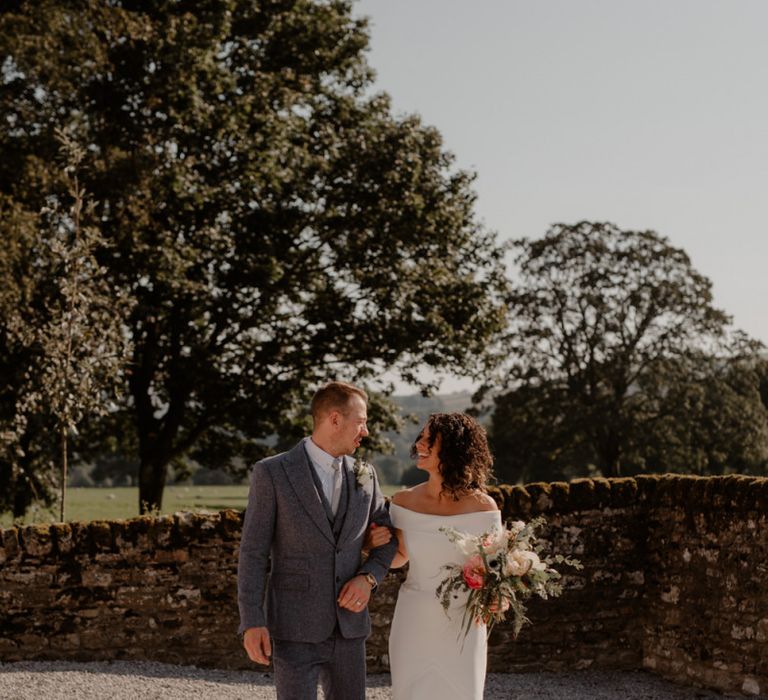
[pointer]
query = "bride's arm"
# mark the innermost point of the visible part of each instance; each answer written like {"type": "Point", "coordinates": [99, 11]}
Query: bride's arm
{"type": "Point", "coordinates": [378, 536]}
{"type": "Point", "coordinates": [401, 556]}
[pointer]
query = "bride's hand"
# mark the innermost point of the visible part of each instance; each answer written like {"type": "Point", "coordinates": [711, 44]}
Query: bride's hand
{"type": "Point", "coordinates": [376, 536]}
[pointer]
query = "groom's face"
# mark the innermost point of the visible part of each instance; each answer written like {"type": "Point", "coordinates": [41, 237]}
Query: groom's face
{"type": "Point", "coordinates": [352, 425]}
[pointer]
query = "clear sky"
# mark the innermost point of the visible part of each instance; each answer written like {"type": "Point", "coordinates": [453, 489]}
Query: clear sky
{"type": "Point", "coordinates": [651, 114]}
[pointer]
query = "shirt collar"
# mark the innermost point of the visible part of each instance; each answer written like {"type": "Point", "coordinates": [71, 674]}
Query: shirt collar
{"type": "Point", "coordinates": [319, 456]}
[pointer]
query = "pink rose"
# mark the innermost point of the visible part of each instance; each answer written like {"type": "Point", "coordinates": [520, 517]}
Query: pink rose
{"type": "Point", "coordinates": [474, 572]}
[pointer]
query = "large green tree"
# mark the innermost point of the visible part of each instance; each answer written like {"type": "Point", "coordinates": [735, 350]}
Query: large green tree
{"type": "Point", "coordinates": [273, 222]}
{"type": "Point", "coordinates": [618, 361]}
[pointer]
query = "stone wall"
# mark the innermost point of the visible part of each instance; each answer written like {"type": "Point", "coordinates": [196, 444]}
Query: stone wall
{"type": "Point", "coordinates": [707, 590]}
{"type": "Point", "coordinates": [596, 623]}
{"type": "Point", "coordinates": [674, 581]}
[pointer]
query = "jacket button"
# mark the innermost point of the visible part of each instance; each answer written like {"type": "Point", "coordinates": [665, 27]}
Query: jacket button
{"type": "Point", "coordinates": [338, 579]}
{"type": "Point", "coordinates": [338, 551]}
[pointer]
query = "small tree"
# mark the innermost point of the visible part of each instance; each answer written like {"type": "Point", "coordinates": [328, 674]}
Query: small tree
{"type": "Point", "coordinates": [80, 340]}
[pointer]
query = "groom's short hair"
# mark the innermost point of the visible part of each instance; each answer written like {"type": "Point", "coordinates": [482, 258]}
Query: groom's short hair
{"type": "Point", "coordinates": [334, 396]}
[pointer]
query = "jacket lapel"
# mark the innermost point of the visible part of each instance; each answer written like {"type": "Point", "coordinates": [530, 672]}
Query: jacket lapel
{"type": "Point", "coordinates": [357, 503]}
{"type": "Point", "coordinates": [296, 467]}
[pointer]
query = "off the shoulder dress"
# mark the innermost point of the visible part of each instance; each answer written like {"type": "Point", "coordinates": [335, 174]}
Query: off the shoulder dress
{"type": "Point", "coordinates": [427, 659]}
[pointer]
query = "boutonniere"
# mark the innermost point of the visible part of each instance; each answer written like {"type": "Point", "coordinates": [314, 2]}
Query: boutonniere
{"type": "Point", "coordinates": [362, 471]}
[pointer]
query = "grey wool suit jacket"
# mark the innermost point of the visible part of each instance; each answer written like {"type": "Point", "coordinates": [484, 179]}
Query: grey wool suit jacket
{"type": "Point", "coordinates": [290, 558]}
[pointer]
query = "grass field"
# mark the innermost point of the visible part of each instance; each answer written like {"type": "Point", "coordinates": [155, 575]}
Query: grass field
{"type": "Point", "coordinates": [123, 502]}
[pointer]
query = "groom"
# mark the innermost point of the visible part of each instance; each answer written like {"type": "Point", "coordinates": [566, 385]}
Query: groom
{"type": "Point", "coordinates": [308, 511]}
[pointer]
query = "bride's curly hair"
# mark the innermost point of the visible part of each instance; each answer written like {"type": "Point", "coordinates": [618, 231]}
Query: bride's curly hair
{"type": "Point", "coordinates": [465, 460]}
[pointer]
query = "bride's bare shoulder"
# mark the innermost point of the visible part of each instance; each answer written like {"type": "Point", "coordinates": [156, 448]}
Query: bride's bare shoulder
{"type": "Point", "coordinates": [482, 501]}
{"type": "Point", "coordinates": [407, 497]}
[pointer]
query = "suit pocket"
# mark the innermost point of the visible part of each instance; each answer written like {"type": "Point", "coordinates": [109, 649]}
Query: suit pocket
{"type": "Point", "coordinates": [290, 582]}
{"type": "Point", "coordinates": [293, 565]}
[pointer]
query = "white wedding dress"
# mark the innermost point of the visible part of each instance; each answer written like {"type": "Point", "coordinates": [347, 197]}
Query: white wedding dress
{"type": "Point", "coordinates": [426, 656]}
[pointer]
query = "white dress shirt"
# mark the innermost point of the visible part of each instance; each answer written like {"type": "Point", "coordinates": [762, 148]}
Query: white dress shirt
{"type": "Point", "coordinates": [328, 469]}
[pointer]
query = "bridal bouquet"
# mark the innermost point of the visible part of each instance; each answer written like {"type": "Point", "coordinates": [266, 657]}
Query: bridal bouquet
{"type": "Point", "coordinates": [502, 569]}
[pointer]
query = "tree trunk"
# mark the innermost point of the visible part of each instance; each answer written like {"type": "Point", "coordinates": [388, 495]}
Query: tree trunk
{"type": "Point", "coordinates": [152, 474]}
{"type": "Point", "coordinates": [21, 501]}
{"type": "Point", "coordinates": [63, 469]}
{"type": "Point", "coordinates": [609, 451]}
{"type": "Point", "coordinates": [614, 467]}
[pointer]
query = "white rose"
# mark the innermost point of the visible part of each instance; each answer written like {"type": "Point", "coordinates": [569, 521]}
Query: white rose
{"type": "Point", "coordinates": [517, 563]}
{"type": "Point", "coordinates": [515, 528]}
{"type": "Point", "coordinates": [536, 563]}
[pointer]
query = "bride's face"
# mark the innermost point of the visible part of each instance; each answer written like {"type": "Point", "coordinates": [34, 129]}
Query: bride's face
{"type": "Point", "coordinates": [428, 457]}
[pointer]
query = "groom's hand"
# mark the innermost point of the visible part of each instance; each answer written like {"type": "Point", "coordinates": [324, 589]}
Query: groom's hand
{"type": "Point", "coordinates": [257, 644]}
{"type": "Point", "coordinates": [355, 594]}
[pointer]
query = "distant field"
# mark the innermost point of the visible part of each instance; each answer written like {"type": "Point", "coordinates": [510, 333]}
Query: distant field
{"type": "Point", "coordinates": [123, 502]}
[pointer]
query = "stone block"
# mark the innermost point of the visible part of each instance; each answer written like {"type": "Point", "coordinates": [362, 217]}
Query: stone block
{"type": "Point", "coordinates": [560, 494]}
{"type": "Point", "coordinates": [62, 537]}
{"type": "Point", "coordinates": [29, 577]}
{"type": "Point", "coordinates": [175, 556]}
{"type": "Point", "coordinates": [65, 642]}
{"type": "Point", "coordinates": [162, 531]}
{"type": "Point", "coordinates": [602, 488]}
{"type": "Point", "coordinates": [230, 525]}
{"type": "Point", "coordinates": [96, 577]}
{"type": "Point", "coordinates": [541, 502]}
{"type": "Point", "coordinates": [101, 535]}
{"type": "Point", "coordinates": [31, 641]}
{"type": "Point", "coordinates": [81, 538]}
{"type": "Point", "coordinates": [36, 540]}
{"type": "Point", "coordinates": [8, 645]}
{"type": "Point", "coordinates": [623, 492]}
{"type": "Point", "coordinates": [582, 494]}
{"type": "Point", "coordinates": [752, 686]}
{"type": "Point", "coordinates": [518, 503]}
{"type": "Point", "coordinates": [9, 544]}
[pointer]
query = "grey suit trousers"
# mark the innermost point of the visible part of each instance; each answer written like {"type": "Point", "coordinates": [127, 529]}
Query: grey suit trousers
{"type": "Point", "coordinates": [338, 664]}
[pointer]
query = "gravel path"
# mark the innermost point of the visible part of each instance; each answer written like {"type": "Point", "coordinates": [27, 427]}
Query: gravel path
{"type": "Point", "coordinates": [123, 680]}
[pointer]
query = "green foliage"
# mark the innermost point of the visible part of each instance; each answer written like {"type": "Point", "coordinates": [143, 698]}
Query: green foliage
{"type": "Point", "coordinates": [26, 457]}
{"type": "Point", "coordinates": [712, 422]}
{"type": "Point", "coordinates": [274, 225]}
{"type": "Point", "coordinates": [619, 363]}
{"type": "Point", "coordinates": [64, 349]}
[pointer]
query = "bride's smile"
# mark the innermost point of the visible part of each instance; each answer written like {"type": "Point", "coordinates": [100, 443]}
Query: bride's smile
{"type": "Point", "coordinates": [427, 456]}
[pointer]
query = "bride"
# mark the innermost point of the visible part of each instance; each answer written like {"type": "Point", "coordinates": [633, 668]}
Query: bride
{"type": "Point", "coordinates": [429, 659]}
